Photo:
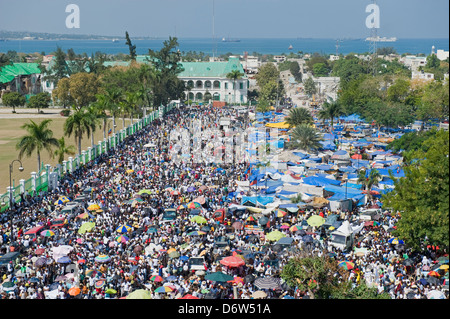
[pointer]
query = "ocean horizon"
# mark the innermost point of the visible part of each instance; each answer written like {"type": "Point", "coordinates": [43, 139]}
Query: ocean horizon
{"type": "Point", "coordinates": [274, 46]}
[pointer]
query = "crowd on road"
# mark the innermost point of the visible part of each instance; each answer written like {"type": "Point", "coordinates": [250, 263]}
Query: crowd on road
{"type": "Point", "coordinates": [128, 243]}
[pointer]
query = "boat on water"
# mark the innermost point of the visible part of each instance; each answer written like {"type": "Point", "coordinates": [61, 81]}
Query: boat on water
{"type": "Point", "coordinates": [290, 47]}
{"type": "Point", "coordinates": [230, 40]}
{"type": "Point", "coordinates": [381, 39]}
{"type": "Point", "coordinates": [115, 40]}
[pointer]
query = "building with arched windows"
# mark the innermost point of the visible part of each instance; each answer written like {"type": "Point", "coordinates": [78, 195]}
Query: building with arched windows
{"type": "Point", "coordinates": [207, 81]}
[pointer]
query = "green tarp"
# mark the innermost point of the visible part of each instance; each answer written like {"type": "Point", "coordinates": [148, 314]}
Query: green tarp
{"type": "Point", "coordinates": [9, 72]}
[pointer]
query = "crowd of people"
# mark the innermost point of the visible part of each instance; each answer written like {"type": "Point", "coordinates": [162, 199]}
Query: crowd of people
{"type": "Point", "coordinates": [133, 246]}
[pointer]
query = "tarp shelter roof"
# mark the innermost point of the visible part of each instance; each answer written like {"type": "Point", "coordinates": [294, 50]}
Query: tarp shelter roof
{"type": "Point", "coordinates": [278, 125]}
{"type": "Point", "coordinates": [210, 69]}
{"type": "Point", "coordinates": [320, 181]}
{"type": "Point", "coordinates": [9, 72]}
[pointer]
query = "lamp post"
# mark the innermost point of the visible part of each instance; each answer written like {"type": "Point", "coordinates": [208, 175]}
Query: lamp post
{"type": "Point", "coordinates": [10, 193]}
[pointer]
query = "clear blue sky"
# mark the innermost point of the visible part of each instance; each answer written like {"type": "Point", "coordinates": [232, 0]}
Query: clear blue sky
{"type": "Point", "coordinates": [233, 18]}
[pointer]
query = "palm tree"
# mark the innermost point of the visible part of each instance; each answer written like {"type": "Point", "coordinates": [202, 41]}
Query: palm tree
{"type": "Point", "coordinates": [95, 116]}
{"type": "Point", "coordinates": [298, 116]}
{"type": "Point", "coordinates": [62, 150]}
{"type": "Point", "coordinates": [370, 180]}
{"type": "Point", "coordinates": [101, 106]}
{"type": "Point", "coordinates": [330, 111]}
{"type": "Point", "coordinates": [305, 137]}
{"type": "Point", "coordinates": [78, 124]}
{"type": "Point", "coordinates": [234, 75]}
{"type": "Point", "coordinates": [39, 138]}
{"type": "Point", "coordinates": [112, 99]}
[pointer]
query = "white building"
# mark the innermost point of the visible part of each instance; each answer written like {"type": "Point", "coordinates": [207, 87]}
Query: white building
{"type": "Point", "coordinates": [420, 75]}
{"type": "Point", "coordinates": [442, 55]}
{"type": "Point", "coordinates": [413, 62]}
{"type": "Point", "coordinates": [208, 81]}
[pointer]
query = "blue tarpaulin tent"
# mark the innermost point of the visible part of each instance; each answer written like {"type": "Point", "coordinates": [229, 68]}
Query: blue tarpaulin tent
{"type": "Point", "coordinates": [319, 181]}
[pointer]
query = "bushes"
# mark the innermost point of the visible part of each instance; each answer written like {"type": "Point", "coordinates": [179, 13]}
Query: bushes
{"type": "Point", "coordinates": [65, 112]}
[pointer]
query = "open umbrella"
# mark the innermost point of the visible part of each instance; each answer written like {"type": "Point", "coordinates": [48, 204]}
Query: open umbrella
{"type": "Point", "coordinates": [395, 241]}
{"type": "Point", "coordinates": [232, 261]}
{"type": "Point", "coordinates": [188, 296]}
{"type": "Point", "coordinates": [281, 213]}
{"type": "Point", "coordinates": [93, 207]}
{"type": "Point", "coordinates": [156, 278]}
{"type": "Point", "coordinates": [64, 260]}
{"type": "Point", "coordinates": [74, 291]}
{"type": "Point", "coordinates": [110, 291]}
{"type": "Point", "coordinates": [196, 233]}
{"type": "Point", "coordinates": [163, 289]}
{"type": "Point", "coordinates": [237, 280]}
{"type": "Point", "coordinates": [267, 283]}
{"type": "Point", "coordinates": [99, 284]}
{"type": "Point", "coordinates": [91, 273]}
{"type": "Point", "coordinates": [86, 227]}
{"type": "Point", "coordinates": [39, 251]}
{"type": "Point", "coordinates": [315, 221]}
{"type": "Point", "coordinates": [193, 205]}
{"type": "Point", "coordinates": [218, 276]}
{"type": "Point", "coordinates": [295, 228]}
{"type": "Point", "coordinates": [199, 219]}
{"type": "Point", "coordinates": [102, 258]}
{"type": "Point", "coordinates": [140, 294]}
{"type": "Point", "coordinates": [275, 235]}
{"type": "Point", "coordinates": [174, 254]}
{"type": "Point", "coordinates": [122, 239]}
{"type": "Point", "coordinates": [435, 294]}
{"type": "Point", "coordinates": [83, 216]}
{"type": "Point", "coordinates": [190, 189]}
{"type": "Point", "coordinates": [434, 273]}
{"type": "Point", "coordinates": [145, 191]}
{"type": "Point", "coordinates": [47, 233]}
{"type": "Point", "coordinates": [182, 206]}
{"type": "Point", "coordinates": [346, 265]}
{"type": "Point", "coordinates": [123, 229]}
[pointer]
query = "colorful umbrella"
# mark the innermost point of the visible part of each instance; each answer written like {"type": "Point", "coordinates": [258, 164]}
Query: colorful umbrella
{"type": "Point", "coordinates": [250, 219]}
{"type": "Point", "coordinates": [193, 205]}
{"type": "Point", "coordinates": [168, 189]}
{"type": "Point", "coordinates": [47, 233]}
{"type": "Point", "coordinates": [102, 258]}
{"type": "Point", "coordinates": [281, 213]}
{"type": "Point", "coordinates": [175, 193]}
{"type": "Point", "coordinates": [181, 207]}
{"type": "Point", "coordinates": [91, 273]}
{"type": "Point", "coordinates": [295, 228]}
{"type": "Point", "coordinates": [86, 227]}
{"type": "Point", "coordinates": [99, 284]}
{"type": "Point", "coordinates": [346, 265]}
{"type": "Point", "coordinates": [93, 207]}
{"type": "Point", "coordinates": [123, 229]}
{"type": "Point", "coordinates": [122, 239]}
{"type": "Point", "coordinates": [39, 251]}
{"type": "Point", "coordinates": [163, 289]}
{"type": "Point", "coordinates": [395, 241]}
{"type": "Point", "coordinates": [156, 278]}
{"type": "Point", "coordinates": [434, 273]}
{"type": "Point", "coordinates": [83, 216]}
{"type": "Point", "coordinates": [196, 233]}
{"type": "Point", "coordinates": [237, 280]}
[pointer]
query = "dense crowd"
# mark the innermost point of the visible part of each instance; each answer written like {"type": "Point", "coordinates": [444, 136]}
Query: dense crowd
{"type": "Point", "coordinates": [153, 254]}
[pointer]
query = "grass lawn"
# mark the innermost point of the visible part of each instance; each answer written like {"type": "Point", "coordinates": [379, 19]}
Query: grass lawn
{"type": "Point", "coordinates": [10, 134]}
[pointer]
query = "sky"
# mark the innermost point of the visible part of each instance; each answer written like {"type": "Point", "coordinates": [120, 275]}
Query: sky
{"type": "Point", "coordinates": [233, 18]}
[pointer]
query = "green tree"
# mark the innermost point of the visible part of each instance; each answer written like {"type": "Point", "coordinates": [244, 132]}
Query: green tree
{"type": "Point", "coordinates": [422, 195]}
{"type": "Point", "coordinates": [294, 68]}
{"type": "Point", "coordinates": [399, 91]}
{"type": "Point", "coordinates": [330, 111]}
{"type": "Point", "coordinates": [310, 87]}
{"type": "Point", "coordinates": [40, 101]}
{"type": "Point", "coordinates": [298, 116]}
{"type": "Point", "coordinates": [266, 73]}
{"type": "Point", "coordinates": [165, 84]}
{"type": "Point", "coordinates": [319, 276]}
{"type": "Point", "coordinates": [4, 60]}
{"type": "Point", "coordinates": [369, 180]}
{"type": "Point", "coordinates": [63, 150]}
{"type": "Point", "coordinates": [61, 94]}
{"type": "Point", "coordinates": [39, 138]}
{"type": "Point", "coordinates": [59, 68]}
{"type": "Point", "coordinates": [13, 99]}
{"type": "Point", "coordinates": [320, 69]}
{"type": "Point", "coordinates": [78, 124]}
{"type": "Point", "coordinates": [305, 137]}
{"type": "Point", "coordinates": [263, 106]}
{"type": "Point", "coordinates": [131, 47]}
{"type": "Point", "coordinates": [234, 75]}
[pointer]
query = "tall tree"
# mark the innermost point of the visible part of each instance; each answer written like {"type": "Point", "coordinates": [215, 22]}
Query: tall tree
{"type": "Point", "coordinates": [369, 180]}
{"type": "Point", "coordinates": [234, 75]}
{"type": "Point", "coordinates": [330, 111]}
{"type": "Point", "coordinates": [59, 68]}
{"type": "Point", "coordinates": [310, 87]}
{"type": "Point", "coordinates": [165, 84]}
{"type": "Point", "coordinates": [39, 138]}
{"type": "Point", "coordinates": [298, 116]}
{"type": "Point", "coordinates": [39, 101]}
{"type": "Point", "coordinates": [63, 150]}
{"type": "Point", "coordinates": [131, 47]}
{"type": "Point", "coordinates": [305, 137]}
{"type": "Point", "coordinates": [78, 124]}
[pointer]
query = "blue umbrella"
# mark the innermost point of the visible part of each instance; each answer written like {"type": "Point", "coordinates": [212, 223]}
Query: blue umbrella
{"type": "Point", "coordinates": [184, 258]}
{"type": "Point", "coordinates": [64, 260]}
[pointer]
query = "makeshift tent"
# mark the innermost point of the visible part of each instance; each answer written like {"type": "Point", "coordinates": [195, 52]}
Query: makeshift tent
{"type": "Point", "coordinates": [319, 181]}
